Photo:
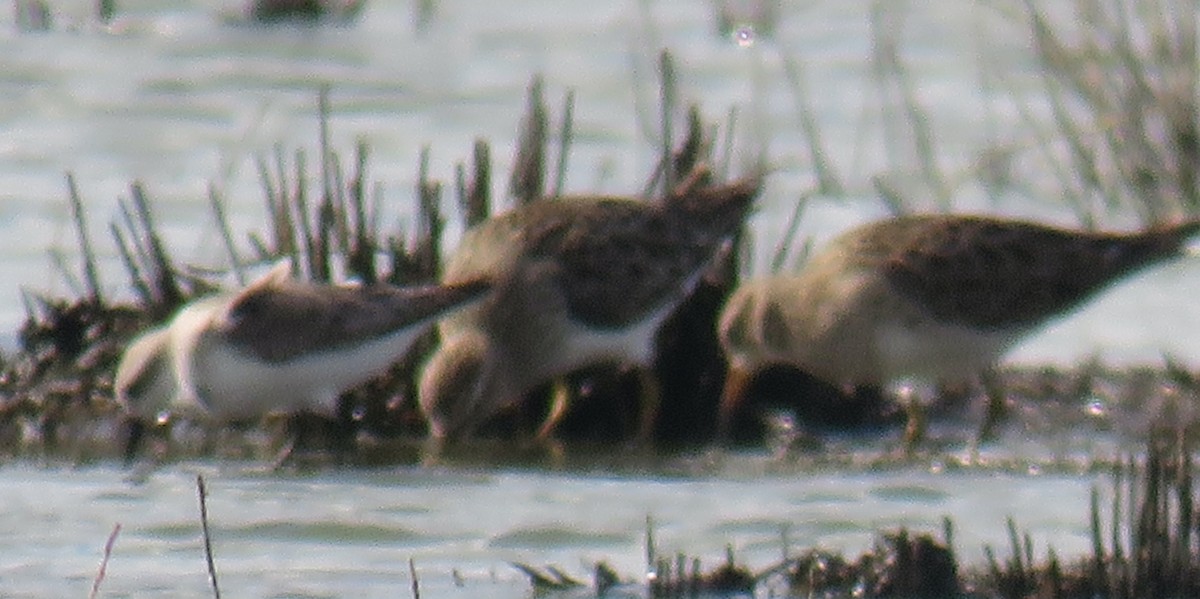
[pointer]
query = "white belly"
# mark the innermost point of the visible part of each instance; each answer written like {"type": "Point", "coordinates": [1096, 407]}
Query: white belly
{"type": "Point", "coordinates": [234, 384]}
{"type": "Point", "coordinates": [630, 346]}
{"type": "Point", "coordinates": [935, 352]}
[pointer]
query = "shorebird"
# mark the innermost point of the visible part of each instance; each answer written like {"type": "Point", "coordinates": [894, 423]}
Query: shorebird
{"type": "Point", "coordinates": [278, 345]}
{"type": "Point", "coordinates": [930, 298]}
{"type": "Point", "coordinates": [578, 281]}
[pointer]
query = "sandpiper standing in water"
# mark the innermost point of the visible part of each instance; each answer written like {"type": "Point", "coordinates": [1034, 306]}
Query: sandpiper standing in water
{"type": "Point", "coordinates": [278, 345]}
{"type": "Point", "coordinates": [929, 298]}
{"type": "Point", "coordinates": [578, 281]}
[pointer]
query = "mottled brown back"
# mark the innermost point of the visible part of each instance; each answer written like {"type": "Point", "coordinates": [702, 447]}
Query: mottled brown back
{"type": "Point", "coordinates": [990, 273]}
{"type": "Point", "coordinates": [617, 260]}
{"type": "Point", "coordinates": [283, 321]}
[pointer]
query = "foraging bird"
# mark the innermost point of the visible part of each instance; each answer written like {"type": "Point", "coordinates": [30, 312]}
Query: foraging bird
{"type": "Point", "coordinates": [278, 345]}
{"type": "Point", "coordinates": [578, 281]}
{"type": "Point", "coordinates": [937, 298]}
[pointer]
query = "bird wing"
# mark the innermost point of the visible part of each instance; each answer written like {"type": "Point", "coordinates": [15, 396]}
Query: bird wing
{"type": "Point", "coordinates": [617, 261]}
{"type": "Point", "coordinates": [992, 273]}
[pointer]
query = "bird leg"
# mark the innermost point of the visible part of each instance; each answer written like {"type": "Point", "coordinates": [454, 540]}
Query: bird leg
{"type": "Point", "coordinates": [559, 398]}
{"type": "Point", "coordinates": [917, 422]}
{"type": "Point", "coordinates": [651, 400]}
{"type": "Point", "coordinates": [994, 411]}
{"type": "Point", "coordinates": [737, 379]}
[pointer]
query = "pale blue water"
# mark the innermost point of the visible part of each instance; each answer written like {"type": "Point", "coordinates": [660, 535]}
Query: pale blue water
{"type": "Point", "coordinates": [174, 98]}
{"type": "Point", "coordinates": [349, 534]}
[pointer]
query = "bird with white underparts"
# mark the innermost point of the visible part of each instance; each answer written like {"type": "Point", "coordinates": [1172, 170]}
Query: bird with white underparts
{"type": "Point", "coordinates": [278, 345]}
{"type": "Point", "coordinates": [924, 298]}
{"type": "Point", "coordinates": [577, 281]}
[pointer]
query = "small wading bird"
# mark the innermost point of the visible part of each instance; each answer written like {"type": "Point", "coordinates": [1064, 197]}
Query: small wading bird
{"type": "Point", "coordinates": [278, 345]}
{"type": "Point", "coordinates": [932, 298]}
{"type": "Point", "coordinates": [577, 281]}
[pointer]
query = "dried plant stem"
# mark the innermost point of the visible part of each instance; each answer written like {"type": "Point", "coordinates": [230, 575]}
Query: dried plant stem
{"type": "Point", "coordinates": [828, 182]}
{"type": "Point", "coordinates": [527, 182]}
{"type": "Point", "coordinates": [131, 265]}
{"type": "Point", "coordinates": [651, 550]}
{"type": "Point", "coordinates": [787, 243]}
{"type": "Point", "coordinates": [208, 554]}
{"type": "Point", "coordinates": [416, 583]}
{"type": "Point", "coordinates": [218, 208]}
{"type": "Point", "coordinates": [667, 97]}
{"type": "Point", "coordinates": [165, 285]}
{"type": "Point", "coordinates": [108, 547]}
{"type": "Point", "coordinates": [565, 135]}
{"type": "Point", "coordinates": [85, 243]}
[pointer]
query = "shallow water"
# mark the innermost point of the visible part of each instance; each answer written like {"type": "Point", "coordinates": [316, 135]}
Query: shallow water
{"type": "Point", "coordinates": [342, 534]}
{"type": "Point", "coordinates": [174, 98]}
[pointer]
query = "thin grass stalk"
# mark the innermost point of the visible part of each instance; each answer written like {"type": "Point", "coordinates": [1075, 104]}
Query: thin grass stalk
{"type": "Point", "coordinates": [668, 92]}
{"type": "Point", "coordinates": [272, 195]}
{"type": "Point", "coordinates": [1054, 574]}
{"type": "Point", "coordinates": [330, 171]}
{"type": "Point", "coordinates": [828, 181]}
{"type": "Point", "coordinates": [299, 209]}
{"type": "Point", "coordinates": [1030, 566]}
{"type": "Point", "coordinates": [1147, 530]}
{"type": "Point", "coordinates": [421, 262]}
{"type": "Point", "coordinates": [923, 138]}
{"type": "Point", "coordinates": [140, 288]}
{"type": "Point", "coordinates": [1186, 514]}
{"type": "Point", "coordinates": [565, 137]}
{"type": "Point", "coordinates": [785, 246]}
{"type": "Point", "coordinates": [168, 286]}
{"type": "Point", "coordinates": [1099, 574]}
{"type": "Point", "coordinates": [1123, 544]}
{"type": "Point", "coordinates": [994, 569]}
{"type": "Point", "coordinates": [323, 247]}
{"type": "Point", "coordinates": [527, 182]}
{"type": "Point", "coordinates": [432, 225]}
{"type": "Point", "coordinates": [1016, 567]}
{"type": "Point", "coordinates": [884, 83]}
{"type": "Point", "coordinates": [108, 547]}
{"type": "Point", "coordinates": [32, 313]}
{"type": "Point", "coordinates": [262, 251]}
{"type": "Point", "coordinates": [362, 254]}
{"type": "Point", "coordinates": [373, 212]}
{"type": "Point", "coordinates": [915, 115]}
{"type": "Point", "coordinates": [137, 237]}
{"type": "Point", "coordinates": [208, 554]}
{"type": "Point", "coordinates": [85, 242]}
{"type": "Point", "coordinates": [1184, 119]}
{"type": "Point", "coordinates": [726, 158]}
{"type": "Point", "coordinates": [218, 208]}
{"type": "Point", "coordinates": [1083, 158]}
{"type": "Point", "coordinates": [475, 201]}
{"type": "Point", "coordinates": [285, 227]}
{"type": "Point", "coordinates": [339, 205]}
{"type": "Point", "coordinates": [416, 583]}
{"type": "Point", "coordinates": [651, 551]}
{"type": "Point", "coordinates": [948, 533]}
{"type": "Point", "coordinates": [460, 188]}
{"type": "Point", "coordinates": [681, 573]}
{"type": "Point", "coordinates": [1045, 144]}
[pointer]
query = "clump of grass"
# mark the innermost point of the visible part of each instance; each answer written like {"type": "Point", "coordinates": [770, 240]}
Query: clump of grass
{"type": "Point", "coordinates": [1151, 549]}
